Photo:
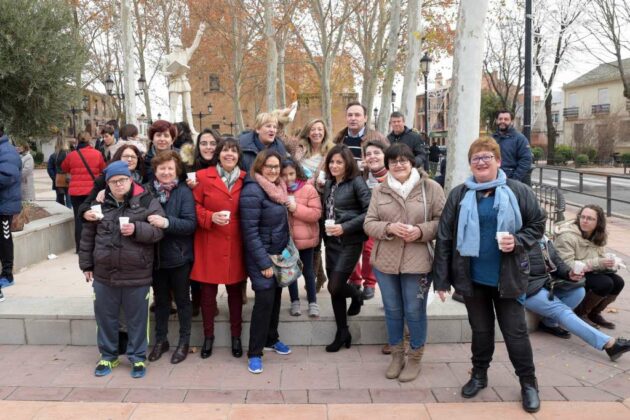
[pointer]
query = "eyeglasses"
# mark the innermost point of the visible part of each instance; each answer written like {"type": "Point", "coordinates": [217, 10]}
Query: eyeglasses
{"type": "Point", "coordinates": [401, 162]}
{"type": "Point", "coordinates": [118, 182]}
{"type": "Point", "coordinates": [484, 159]}
{"type": "Point", "coordinates": [129, 157]}
{"type": "Point", "coordinates": [588, 218]}
{"type": "Point", "coordinates": [272, 167]}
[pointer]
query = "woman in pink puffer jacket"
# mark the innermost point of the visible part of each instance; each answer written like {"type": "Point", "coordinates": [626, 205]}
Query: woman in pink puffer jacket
{"type": "Point", "coordinates": [305, 210]}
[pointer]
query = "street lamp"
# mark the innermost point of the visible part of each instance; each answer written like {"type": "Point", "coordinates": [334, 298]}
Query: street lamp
{"type": "Point", "coordinates": [201, 114]}
{"type": "Point", "coordinates": [231, 124]}
{"type": "Point", "coordinates": [393, 101]}
{"type": "Point", "coordinates": [109, 87]}
{"type": "Point", "coordinates": [425, 67]}
{"type": "Point", "coordinates": [159, 116]}
{"type": "Point", "coordinates": [375, 118]}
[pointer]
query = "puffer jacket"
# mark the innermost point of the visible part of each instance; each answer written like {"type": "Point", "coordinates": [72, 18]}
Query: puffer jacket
{"type": "Point", "coordinates": [81, 182]}
{"type": "Point", "coordinates": [116, 260]}
{"type": "Point", "coordinates": [538, 274]}
{"type": "Point", "coordinates": [148, 169]}
{"type": "Point", "coordinates": [10, 176]}
{"type": "Point", "coordinates": [452, 269]}
{"type": "Point", "coordinates": [305, 219]}
{"type": "Point", "coordinates": [176, 249]}
{"type": "Point", "coordinates": [352, 199]}
{"type": "Point", "coordinates": [415, 143]}
{"type": "Point", "coordinates": [573, 247]}
{"type": "Point", "coordinates": [265, 231]}
{"type": "Point", "coordinates": [248, 142]}
{"type": "Point", "coordinates": [516, 155]}
{"type": "Point", "coordinates": [390, 254]}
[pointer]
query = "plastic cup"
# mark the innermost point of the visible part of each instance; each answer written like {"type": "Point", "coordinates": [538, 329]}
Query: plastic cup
{"type": "Point", "coordinates": [96, 208]}
{"type": "Point", "coordinates": [578, 267]}
{"type": "Point", "coordinates": [292, 199]}
{"type": "Point", "coordinates": [123, 221]}
{"type": "Point", "coordinates": [327, 224]}
{"type": "Point", "coordinates": [192, 176]}
{"type": "Point", "coordinates": [226, 213]}
{"type": "Point", "coordinates": [609, 256]}
{"type": "Point", "coordinates": [501, 235]}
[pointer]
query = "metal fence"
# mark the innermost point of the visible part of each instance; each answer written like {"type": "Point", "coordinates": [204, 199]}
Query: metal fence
{"type": "Point", "coordinates": [552, 200]}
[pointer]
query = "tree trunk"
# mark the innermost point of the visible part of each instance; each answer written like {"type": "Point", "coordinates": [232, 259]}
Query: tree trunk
{"type": "Point", "coordinates": [282, 83]}
{"type": "Point", "coordinates": [128, 76]}
{"type": "Point", "coordinates": [465, 92]}
{"type": "Point", "coordinates": [551, 131]}
{"type": "Point", "coordinates": [272, 57]}
{"type": "Point", "coordinates": [414, 53]}
{"type": "Point", "coordinates": [141, 44]}
{"type": "Point", "coordinates": [388, 82]}
{"type": "Point", "coordinates": [325, 92]}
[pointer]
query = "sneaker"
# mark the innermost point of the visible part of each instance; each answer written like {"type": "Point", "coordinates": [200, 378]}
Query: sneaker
{"type": "Point", "coordinates": [279, 348]}
{"type": "Point", "coordinates": [620, 347]}
{"type": "Point", "coordinates": [368, 293]}
{"type": "Point", "coordinates": [254, 365]}
{"type": "Point", "coordinates": [295, 308]}
{"type": "Point", "coordinates": [104, 367]}
{"type": "Point", "coordinates": [313, 310]}
{"type": "Point", "coordinates": [7, 280]}
{"type": "Point", "coordinates": [138, 370]}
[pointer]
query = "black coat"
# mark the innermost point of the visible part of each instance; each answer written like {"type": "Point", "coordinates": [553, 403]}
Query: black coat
{"type": "Point", "coordinates": [538, 274]}
{"type": "Point", "coordinates": [452, 269]}
{"type": "Point", "coordinates": [415, 143]}
{"type": "Point", "coordinates": [176, 249]}
{"type": "Point", "coordinates": [352, 199]}
{"type": "Point", "coordinates": [264, 229]}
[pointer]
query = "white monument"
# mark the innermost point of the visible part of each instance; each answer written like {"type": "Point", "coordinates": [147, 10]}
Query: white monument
{"type": "Point", "coordinates": [176, 67]}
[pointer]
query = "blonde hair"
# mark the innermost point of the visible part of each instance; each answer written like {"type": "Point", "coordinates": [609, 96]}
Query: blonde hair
{"type": "Point", "coordinates": [305, 142]}
{"type": "Point", "coordinates": [264, 118]}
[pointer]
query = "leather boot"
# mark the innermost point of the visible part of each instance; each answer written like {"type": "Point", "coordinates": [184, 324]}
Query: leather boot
{"type": "Point", "coordinates": [319, 269]}
{"type": "Point", "coordinates": [529, 393]}
{"type": "Point", "coordinates": [590, 301]}
{"type": "Point", "coordinates": [355, 305]}
{"type": "Point", "coordinates": [342, 338]}
{"type": "Point", "coordinates": [413, 365]}
{"type": "Point", "coordinates": [478, 381]}
{"type": "Point", "coordinates": [397, 363]}
{"type": "Point", "coordinates": [180, 353]}
{"type": "Point", "coordinates": [159, 349]}
{"type": "Point", "coordinates": [237, 347]}
{"type": "Point", "coordinates": [206, 349]}
{"type": "Point", "coordinates": [596, 313]}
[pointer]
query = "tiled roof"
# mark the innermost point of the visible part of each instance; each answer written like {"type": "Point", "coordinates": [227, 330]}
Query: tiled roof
{"type": "Point", "coordinates": [603, 73]}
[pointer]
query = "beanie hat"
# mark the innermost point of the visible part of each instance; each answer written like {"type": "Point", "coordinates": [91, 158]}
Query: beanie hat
{"type": "Point", "coordinates": [117, 168]}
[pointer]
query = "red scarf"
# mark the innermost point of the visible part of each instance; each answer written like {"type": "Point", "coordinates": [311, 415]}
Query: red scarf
{"type": "Point", "coordinates": [277, 192]}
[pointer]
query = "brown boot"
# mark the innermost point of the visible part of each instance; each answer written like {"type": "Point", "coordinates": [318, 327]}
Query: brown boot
{"type": "Point", "coordinates": [406, 338]}
{"type": "Point", "coordinates": [387, 349]}
{"type": "Point", "coordinates": [590, 301]}
{"type": "Point", "coordinates": [413, 365]}
{"type": "Point", "coordinates": [596, 313]}
{"type": "Point", "coordinates": [319, 269]}
{"type": "Point", "coordinates": [397, 363]}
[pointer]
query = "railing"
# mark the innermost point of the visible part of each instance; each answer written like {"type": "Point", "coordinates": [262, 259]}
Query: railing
{"type": "Point", "coordinates": [600, 109]}
{"type": "Point", "coordinates": [552, 200]}
{"type": "Point", "coordinates": [580, 188]}
{"type": "Point", "coordinates": [572, 112]}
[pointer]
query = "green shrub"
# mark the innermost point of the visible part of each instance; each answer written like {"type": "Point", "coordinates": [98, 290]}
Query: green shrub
{"type": "Point", "coordinates": [563, 153]}
{"type": "Point", "coordinates": [581, 159]}
{"type": "Point", "coordinates": [625, 158]}
{"type": "Point", "coordinates": [538, 153]}
{"type": "Point", "coordinates": [39, 158]}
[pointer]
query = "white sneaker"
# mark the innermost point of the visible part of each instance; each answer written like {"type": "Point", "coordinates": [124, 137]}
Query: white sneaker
{"type": "Point", "coordinates": [295, 308]}
{"type": "Point", "coordinates": [313, 310]}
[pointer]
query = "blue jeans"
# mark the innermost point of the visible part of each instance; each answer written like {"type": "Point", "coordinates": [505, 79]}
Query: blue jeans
{"type": "Point", "coordinates": [308, 271]}
{"type": "Point", "coordinates": [400, 298]}
{"type": "Point", "coordinates": [560, 311]}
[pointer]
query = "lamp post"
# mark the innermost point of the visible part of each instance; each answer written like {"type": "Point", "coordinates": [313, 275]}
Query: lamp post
{"type": "Point", "coordinates": [109, 87]}
{"type": "Point", "coordinates": [393, 101]}
{"type": "Point", "coordinates": [425, 67]}
{"type": "Point", "coordinates": [231, 124]}
{"type": "Point", "coordinates": [376, 118]}
{"type": "Point", "coordinates": [201, 114]}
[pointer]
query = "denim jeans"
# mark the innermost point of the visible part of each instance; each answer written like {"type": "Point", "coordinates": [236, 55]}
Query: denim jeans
{"type": "Point", "coordinates": [400, 298]}
{"type": "Point", "coordinates": [308, 271]}
{"type": "Point", "coordinates": [560, 310]}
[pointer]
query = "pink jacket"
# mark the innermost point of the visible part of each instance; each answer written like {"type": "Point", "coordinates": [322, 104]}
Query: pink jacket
{"type": "Point", "coordinates": [305, 220]}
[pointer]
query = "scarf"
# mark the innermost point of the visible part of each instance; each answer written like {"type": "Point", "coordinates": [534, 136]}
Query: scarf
{"type": "Point", "coordinates": [136, 176]}
{"type": "Point", "coordinates": [508, 218]}
{"type": "Point", "coordinates": [277, 192]}
{"type": "Point", "coordinates": [403, 189]}
{"type": "Point", "coordinates": [380, 175]}
{"type": "Point", "coordinates": [164, 190]}
{"type": "Point", "coordinates": [228, 178]}
{"type": "Point", "coordinates": [295, 186]}
{"type": "Point", "coordinates": [330, 202]}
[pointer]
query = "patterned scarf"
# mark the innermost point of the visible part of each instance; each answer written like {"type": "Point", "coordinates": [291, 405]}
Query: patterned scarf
{"type": "Point", "coordinates": [330, 202]}
{"type": "Point", "coordinates": [277, 191]}
{"type": "Point", "coordinates": [296, 185]}
{"type": "Point", "coordinates": [228, 178]}
{"type": "Point", "coordinates": [164, 190]}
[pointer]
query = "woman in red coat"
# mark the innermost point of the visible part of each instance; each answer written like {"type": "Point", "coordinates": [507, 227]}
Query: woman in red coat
{"type": "Point", "coordinates": [218, 244]}
{"type": "Point", "coordinates": [84, 165]}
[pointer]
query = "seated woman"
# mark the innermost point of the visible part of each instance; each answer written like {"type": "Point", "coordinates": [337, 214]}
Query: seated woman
{"type": "Point", "coordinates": [116, 252]}
{"type": "Point", "coordinates": [583, 240]}
{"type": "Point", "coordinates": [553, 291]}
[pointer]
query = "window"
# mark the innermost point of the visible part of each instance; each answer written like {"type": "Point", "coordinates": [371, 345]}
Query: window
{"type": "Point", "coordinates": [602, 96]}
{"type": "Point", "coordinates": [555, 117]}
{"type": "Point", "coordinates": [578, 133]}
{"type": "Point", "coordinates": [572, 100]}
{"type": "Point", "coordinates": [216, 127]}
{"type": "Point", "coordinates": [624, 132]}
{"type": "Point", "coordinates": [214, 85]}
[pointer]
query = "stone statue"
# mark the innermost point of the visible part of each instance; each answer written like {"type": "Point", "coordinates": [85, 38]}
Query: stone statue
{"type": "Point", "coordinates": [176, 66]}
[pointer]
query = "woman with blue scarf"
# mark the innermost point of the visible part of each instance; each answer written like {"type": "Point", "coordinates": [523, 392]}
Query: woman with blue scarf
{"type": "Point", "coordinates": [491, 273]}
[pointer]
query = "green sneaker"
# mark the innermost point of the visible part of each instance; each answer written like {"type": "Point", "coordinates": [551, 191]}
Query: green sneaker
{"type": "Point", "coordinates": [138, 370]}
{"type": "Point", "coordinates": [104, 367]}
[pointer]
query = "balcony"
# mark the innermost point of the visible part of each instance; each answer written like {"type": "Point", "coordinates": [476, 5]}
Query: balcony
{"type": "Point", "coordinates": [601, 109]}
{"type": "Point", "coordinates": [572, 112]}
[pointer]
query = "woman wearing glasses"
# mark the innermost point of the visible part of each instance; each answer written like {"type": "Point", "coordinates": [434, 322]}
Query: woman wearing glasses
{"type": "Point", "coordinates": [582, 241]}
{"type": "Point", "coordinates": [487, 227]}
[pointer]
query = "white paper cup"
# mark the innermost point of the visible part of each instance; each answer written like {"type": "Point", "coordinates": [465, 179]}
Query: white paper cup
{"type": "Point", "coordinates": [327, 224]}
{"type": "Point", "coordinates": [226, 213]}
{"type": "Point", "coordinates": [578, 267]}
{"type": "Point", "coordinates": [123, 221]}
{"type": "Point", "coordinates": [292, 199]}
{"type": "Point", "coordinates": [500, 236]}
{"type": "Point", "coordinates": [192, 176]}
{"type": "Point", "coordinates": [96, 208]}
{"type": "Point", "coordinates": [610, 256]}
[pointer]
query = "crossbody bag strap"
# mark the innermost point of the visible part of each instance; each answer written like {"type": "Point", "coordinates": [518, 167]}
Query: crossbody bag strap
{"type": "Point", "coordinates": [86, 165]}
{"type": "Point", "coordinates": [426, 219]}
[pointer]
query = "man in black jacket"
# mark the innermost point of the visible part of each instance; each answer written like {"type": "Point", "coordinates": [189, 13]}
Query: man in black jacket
{"type": "Point", "coordinates": [403, 134]}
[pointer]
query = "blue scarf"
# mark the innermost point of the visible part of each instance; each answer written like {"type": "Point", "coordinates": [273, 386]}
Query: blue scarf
{"type": "Point", "coordinates": [508, 218]}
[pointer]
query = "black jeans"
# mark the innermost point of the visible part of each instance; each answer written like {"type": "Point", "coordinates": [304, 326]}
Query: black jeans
{"type": "Point", "coordinates": [176, 280]}
{"type": "Point", "coordinates": [77, 200]}
{"type": "Point", "coordinates": [263, 328]}
{"type": "Point", "coordinates": [481, 307]}
{"type": "Point", "coordinates": [604, 283]}
{"type": "Point", "coordinates": [6, 245]}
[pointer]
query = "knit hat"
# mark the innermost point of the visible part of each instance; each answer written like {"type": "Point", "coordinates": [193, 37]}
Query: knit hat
{"type": "Point", "coordinates": [117, 168]}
